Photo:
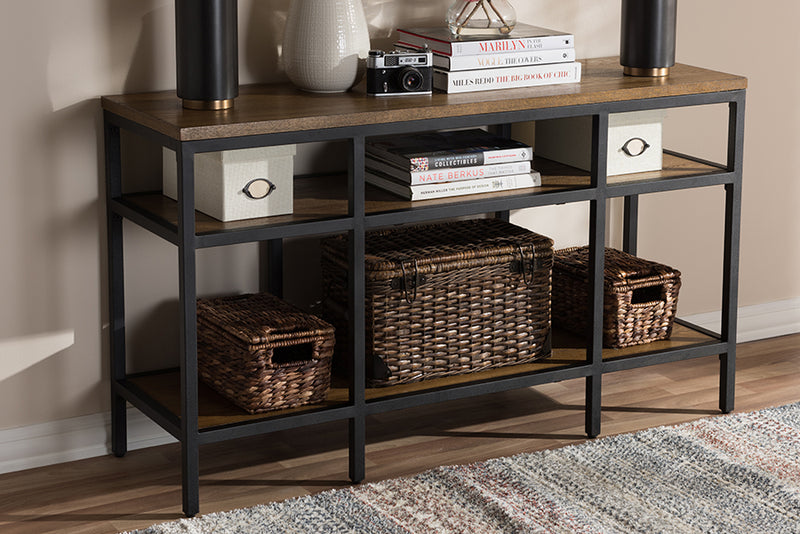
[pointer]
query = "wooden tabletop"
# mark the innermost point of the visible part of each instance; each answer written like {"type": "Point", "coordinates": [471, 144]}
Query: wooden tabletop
{"type": "Point", "coordinates": [275, 108]}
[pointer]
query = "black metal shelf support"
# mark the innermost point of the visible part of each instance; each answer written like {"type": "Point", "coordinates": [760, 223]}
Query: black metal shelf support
{"type": "Point", "coordinates": [730, 267]}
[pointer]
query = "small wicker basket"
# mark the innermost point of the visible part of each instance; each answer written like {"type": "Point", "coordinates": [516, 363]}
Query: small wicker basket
{"type": "Point", "coordinates": [263, 353]}
{"type": "Point", "coordinates": [640, 296]}
{"type": "Point", "coordinates": [446, 299]}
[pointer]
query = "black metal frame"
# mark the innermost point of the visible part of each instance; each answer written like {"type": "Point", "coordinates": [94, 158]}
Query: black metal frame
{"type": "Point", "coordinates": [356, 223]}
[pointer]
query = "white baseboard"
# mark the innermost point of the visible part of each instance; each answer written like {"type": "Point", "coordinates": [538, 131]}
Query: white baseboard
{"type": "Point", "coordinates": [73, 439]}
{"type": "Point", "coordinates": [760, 321]}
{"type": "Point", "coordinates": [85, 437]}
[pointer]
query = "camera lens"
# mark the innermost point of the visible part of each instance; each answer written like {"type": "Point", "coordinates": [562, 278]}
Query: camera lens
{"type": "Point", "coordinates": [411, 79]}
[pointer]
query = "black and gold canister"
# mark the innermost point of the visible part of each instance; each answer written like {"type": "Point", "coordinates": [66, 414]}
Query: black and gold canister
{"type": "Point", "coordinates": [647, 40]}
{"type": "Point", "coordinates": [207, 56]}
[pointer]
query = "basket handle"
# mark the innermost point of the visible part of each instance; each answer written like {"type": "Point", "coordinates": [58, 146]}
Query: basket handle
{"type": "Point", "coordinates": [648, 295]}
{"type": "Point", "coordinates": [528, 279]}
{"type": "Point", "coordinates": [404, 282]}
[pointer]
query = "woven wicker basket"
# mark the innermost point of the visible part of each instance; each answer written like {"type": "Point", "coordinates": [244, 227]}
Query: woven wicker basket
{"type": "Point", "coordinates": [446, 299]}
{"type": "Point", "coordinates": [263, 353]}
{"type": "Point", "coordinates": [639, 303]}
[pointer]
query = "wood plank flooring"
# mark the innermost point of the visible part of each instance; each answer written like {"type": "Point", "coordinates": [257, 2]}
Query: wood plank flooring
{"type": "Point", "coordinates": [107, 495]}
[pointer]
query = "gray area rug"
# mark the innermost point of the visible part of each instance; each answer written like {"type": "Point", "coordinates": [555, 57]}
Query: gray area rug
{"type": "Point", "coordinates": [728, 474]}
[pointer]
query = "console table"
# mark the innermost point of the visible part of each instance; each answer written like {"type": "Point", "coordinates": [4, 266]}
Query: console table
{"type": "Point", "coordinates": [280, 114]}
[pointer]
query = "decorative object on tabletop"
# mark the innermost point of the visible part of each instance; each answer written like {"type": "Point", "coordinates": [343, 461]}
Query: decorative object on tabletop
{"type": "Point", "coordinates": [529, 56]}
{"type": "Point", "coordinates": [325, 44]}
{"type": "Point", "coordinates": [647, 39]}
{"type": "Point", "coordinates": [634, 141]}
{"type": "Point", "coordinates": [467, 17]}
{"type": "Point", "coordinates": [207, 57]}
{"type": "Point", "coordinates": [233, 185]}
{"type": "Point", "coordinates": [445, 299]}
{"type": "Point", "coordinates": [444, 164]}
{"type": "Point", "coordinates": [399, 73]}
{"type": "Point", "coordinates": [640, 297]}
{"type": "Point", "coordinates": [263, 353]}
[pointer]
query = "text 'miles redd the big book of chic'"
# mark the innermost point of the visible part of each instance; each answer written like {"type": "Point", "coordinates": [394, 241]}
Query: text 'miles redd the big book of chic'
{"type": "Point", "coordinates": [524, 37]}
{"type": "Point", "coordinates": [506, 77]}
{"type": "Point", "coordinates": [437, 150]}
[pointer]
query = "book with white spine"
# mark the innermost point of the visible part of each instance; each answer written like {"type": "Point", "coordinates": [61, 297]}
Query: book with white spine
{"type": "Point", "coordinates": [506, 77]}
{"type": "Point", "coordinates": [523, 37]}
{"type": "Point", "coordinates": [448, 174]}
{"type": "Point", "coordinates": [500, 59]}
{"type": "Point", "coordinates": [443, 149]}
{"type": "Point", "coordinates": [452, 189]}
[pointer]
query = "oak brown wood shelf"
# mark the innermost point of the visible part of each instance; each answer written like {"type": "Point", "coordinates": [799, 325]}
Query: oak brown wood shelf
{"type": "Point", "coordinates": [278, 114]}
{"type": "Point", "coordinates": [569, 352]}
{"type": "Point", "coordinates": [325, 197]}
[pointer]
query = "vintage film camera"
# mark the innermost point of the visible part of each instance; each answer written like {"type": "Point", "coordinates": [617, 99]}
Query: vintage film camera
{"type": "Point", "coordinates": [399, 73]}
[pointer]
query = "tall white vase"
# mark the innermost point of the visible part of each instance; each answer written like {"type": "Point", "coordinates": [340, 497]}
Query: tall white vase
{"type": "Point", "coordinates": [325, 44]}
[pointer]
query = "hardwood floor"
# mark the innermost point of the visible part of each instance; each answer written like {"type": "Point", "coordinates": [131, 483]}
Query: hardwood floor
{"type": "Point", "coordinates": [107, 494]}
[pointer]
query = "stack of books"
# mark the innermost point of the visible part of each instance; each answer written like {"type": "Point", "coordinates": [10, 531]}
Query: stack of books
{"type": "Point", "coordinates": [445, 164]}
{"type": "Point", "coordinates": [526, 57]}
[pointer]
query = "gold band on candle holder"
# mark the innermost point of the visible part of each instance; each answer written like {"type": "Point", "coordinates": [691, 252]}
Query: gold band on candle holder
{"type": "Point", "coordinates": [208, 105]}
{"type": "Point", "coordinates": [653, 72]}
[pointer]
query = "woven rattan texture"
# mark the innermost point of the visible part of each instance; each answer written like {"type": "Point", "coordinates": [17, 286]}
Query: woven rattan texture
{"type": "Point", "coordinates": [263, 353]}
{"type": "Point", "coordinates": [640, 297]}
{"type": "Point", "coordinates": [467, 303]}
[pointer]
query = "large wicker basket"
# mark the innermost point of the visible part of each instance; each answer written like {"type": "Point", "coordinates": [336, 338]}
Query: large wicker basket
{"type": "Point", "coordinates": [446, 299]}
{"type": "Point", "coordinates": [639, 296]}
{"type": "Point", "coordinates": [263, 353]}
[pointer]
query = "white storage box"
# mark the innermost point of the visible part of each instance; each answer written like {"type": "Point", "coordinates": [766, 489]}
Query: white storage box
{"type": "Point", "coordinates": [634, 141]}
{"type": "Point", "coordinates": [238, 184]}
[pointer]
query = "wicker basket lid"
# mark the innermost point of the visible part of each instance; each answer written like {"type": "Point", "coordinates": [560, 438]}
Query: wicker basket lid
{"type": "Point", "coordinates": [259, 318]}
{"type": "Point", "coordinates": [443, 247]}
{"type": "Point", "coordinates": [620, 267]}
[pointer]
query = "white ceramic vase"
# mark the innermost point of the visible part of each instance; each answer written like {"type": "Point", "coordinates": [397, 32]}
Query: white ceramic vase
{"type": "Point", "coordinates": [325, 44]}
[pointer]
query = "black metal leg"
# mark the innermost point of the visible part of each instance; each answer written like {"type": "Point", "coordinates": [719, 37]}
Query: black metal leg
{"type": "Point", "coordinates": [727, 385]}
{"type": "Point", "coordinates": [116, 289]}
{"type": "Point", "coordinates": [593, 405]}
{"type": "Point", "coordinates": [730, 278]}
{"type": "Point", "coordinates": [355, 307]}
{"type": "Point", "coordinates": [357, 436]}
{"type": "Point", "coordinates": [190, 436]}
{"type": "Point", "coordinates": [597, 236]}
{"type": "Point", "coordinates": [727, 381]}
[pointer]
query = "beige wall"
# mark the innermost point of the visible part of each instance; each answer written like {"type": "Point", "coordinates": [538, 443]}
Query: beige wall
{"type": "Point", "coordinates": [58, 57]}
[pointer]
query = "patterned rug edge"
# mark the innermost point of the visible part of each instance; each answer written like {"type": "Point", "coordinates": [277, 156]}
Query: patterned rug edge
{"type": "Point", "coordinates": [741, 470]}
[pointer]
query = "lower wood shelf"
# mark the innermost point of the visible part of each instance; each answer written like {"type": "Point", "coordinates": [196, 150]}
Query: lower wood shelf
{"type": "Point", "coordinates": [569, 352]}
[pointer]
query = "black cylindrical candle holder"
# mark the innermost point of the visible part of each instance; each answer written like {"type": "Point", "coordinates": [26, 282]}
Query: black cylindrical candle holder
{"type": "Point", "coordinates": [647, 40]}
{"type": "Point", "coordinates": [206, 33]}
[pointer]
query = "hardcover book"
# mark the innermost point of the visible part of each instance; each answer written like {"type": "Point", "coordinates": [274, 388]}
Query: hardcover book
{"type": "Point", "coordinates": [437, 150]}
{"type": "Point", "coordinates": [506, 78]}
{"type": "Point", "coordinates": [448, 174]}
{"type": "Point", "coordinates": [452, 189]}
{"type": "Point", "coordinates": [500, 59]}
{"type": "Point", "coordinates": [524, 38]}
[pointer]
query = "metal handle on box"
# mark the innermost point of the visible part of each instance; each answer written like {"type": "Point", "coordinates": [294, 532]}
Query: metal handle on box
{"type": "Point", "coordinates": [627, 147]}
{"type": "Point", "coordinates": [258, 188]}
